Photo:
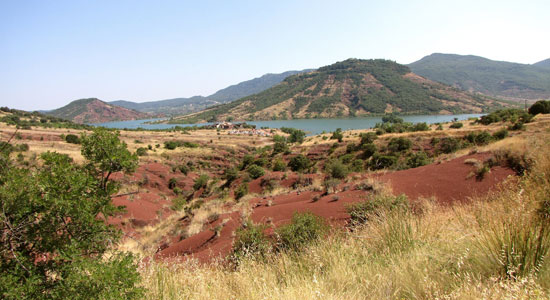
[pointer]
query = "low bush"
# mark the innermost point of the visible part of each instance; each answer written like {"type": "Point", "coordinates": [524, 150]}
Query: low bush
{"type": "Point", "coordinates": [303, 229]}
{"type": "Point", "coordinates": [279, 165]}
{"type": "Point", "coordinates": [171, 145]}
{"type": "Point", "coordinates": [255, 171]}
{"type": "Point", "coordinates": [230, 174]}
{"type": "Point", "coordinates": [380, 161]}
{"type": "Point", "coordinates": [250, 242]}
{"type": "Point", "coordinates": [299, 163]}
{"type": "Point", "coordinates": [141, 151]}
{"type": "Point", "coordinates": [448, 145]}
{"type": "Point", "coordinates": [506, 115]}
{"type": "Point", "coordinates": [201, 182]}
{"type": "Point", "coordinates": [501, 134]}
{"type": "Point", "coordinates": [72, 139]}
{"type": "Point", "coordinates": [172, 183]}
{"type": "Point", "coordinates": [336, 169]}
{"type": "Point", "coordinates": [479, 138]}
{"type": "Point", "coordinates": [418, 159]}
{"type": "Point", "coordinates": [456, 125]}
{"type": "Point", "coordinates": [241, 191]}
{"type": "Point", "coordinates": [399, 144]}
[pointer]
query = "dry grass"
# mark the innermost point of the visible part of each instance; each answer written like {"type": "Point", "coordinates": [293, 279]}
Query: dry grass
{"type": "Point", "coordinates": [434, 253]}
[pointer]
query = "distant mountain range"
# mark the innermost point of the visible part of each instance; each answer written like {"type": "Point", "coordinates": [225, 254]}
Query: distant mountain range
{"type": "Point", "coordinates": [180, 106]}
{"type": "Point", "coordinates": [92, 110]}
{"type": "Point", "coordinates": [496, 78]}
{"type": "Point", "coordinates": [350, 88]}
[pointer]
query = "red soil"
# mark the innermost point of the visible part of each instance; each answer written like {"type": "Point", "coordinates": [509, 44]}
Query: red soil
{"type": "Point", "coordinates": [448, 182]}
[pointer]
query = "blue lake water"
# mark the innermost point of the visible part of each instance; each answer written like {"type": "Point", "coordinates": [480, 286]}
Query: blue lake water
{"type": "Point", "coordinates": [311, 126]}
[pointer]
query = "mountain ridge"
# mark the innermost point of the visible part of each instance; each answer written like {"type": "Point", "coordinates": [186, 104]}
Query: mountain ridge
{"type": "Point", "coordinates": [353, 87]}
{"type": "Point", "coordinates": [472, 73]}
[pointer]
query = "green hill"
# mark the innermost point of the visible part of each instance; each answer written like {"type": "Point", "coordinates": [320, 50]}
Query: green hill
{"type": "Point", "coordinates": [349, 88]}
{"type": "Point", "coordinates": [496, 78]}
{"type": "Point", "coordinates": [93, 110]}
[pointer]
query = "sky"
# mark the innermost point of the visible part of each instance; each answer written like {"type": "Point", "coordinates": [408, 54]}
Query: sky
{"type": "Point", "coordinates": [54, 52]}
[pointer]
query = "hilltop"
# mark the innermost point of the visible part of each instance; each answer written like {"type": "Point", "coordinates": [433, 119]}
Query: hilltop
{"type": "Point", "coordinates": [179, 106]}
{"type": "Point", "coordinates": [345, 89]}
{"type": "Point", "coordinates": [93, 110]}
{"type": "Point", "coordinates": [496, 78]}
{"type": "Point", "coordinates": [544, 63]}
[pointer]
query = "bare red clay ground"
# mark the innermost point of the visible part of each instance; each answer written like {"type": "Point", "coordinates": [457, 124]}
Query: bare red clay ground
{"type": "Point", "coordinates": [448, 182]}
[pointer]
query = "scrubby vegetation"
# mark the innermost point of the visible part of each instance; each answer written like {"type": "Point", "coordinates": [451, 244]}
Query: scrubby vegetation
{"type": "Point", "coordinates": [53, 239]}
{"type": "Point", "coordinates": [492, 248]}
{"type": "Point", "coordinates": [326, 92]}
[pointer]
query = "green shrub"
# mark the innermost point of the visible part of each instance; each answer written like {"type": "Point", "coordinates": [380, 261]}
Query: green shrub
{"type": "Point", "coordinates": [501, 134]}
{"type": "Point", "coordinates": [171, 145]}
{"type": "Point", "coordinates": [296, 135]}
{"type": "Point", "coordinates": [172, 183]}
{"type": "Point", "coordinates": [379, 161]}
{"type": "Point", "coordinates": [230, 174]}
{"type": "Point", "coordinates": [420, 127]}
{"type": "Point", "coordinates": [357, 165]}
{"type": "Point", "coordinates": [448, 145]}
{"type": "Point", "coordinates": [201, 182]}
{"type": "Point", "coordinates": [279, 165]}
{"type": "Point", "coordinates": [255, 171]}
{"type": "Point", "coordinates": [178, 203]}
{"type": "Point", "coordinates": [337, 135]}
{"type": "Point", "coordinates": [250, 242]}
{"type": "Point", "coordinates": [368, 138]}
{"type": "Point", "coordinates": [241, 191]}
{"type": "Point", "coordinates": [506, 115]}
{"type": "Point", "coordinates": [361, 212]}
{"type": "Point", "coordinates": [183, 169]}
{"type": "Point", "coordinates": [479, 138]}
{"type": "Point", "coordinates": [456, 125]}
{"type": "Point", "coordinates": [540, 107]}
{"type": "Point", "coordinates": [303, 229]}
{"type": "Point", "coordinates": [368, 150]}
{"type": "Point", "coordinates": [190, 145]}
{"type": "Point", "coordinates": [299, 163]}
{"type": "Point", "coordinates": [399, 144]}
{"type": "Point", "coordinates": [248, 159]}
{"type": "Point", "coordinates": [71, 138]}
{"type": "Point", "coordinates": [418, 159]}
{"type": "Point", "coordinates": [141, 151]}
{"type": "Point", "coordinates": [336, 169]}
{"type": "Point", "coordinates": [21, 147]}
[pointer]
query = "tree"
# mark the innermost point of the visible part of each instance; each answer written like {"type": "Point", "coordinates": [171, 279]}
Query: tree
{"type": "Point", "coordinates": [54, 232]}
{"type": "Point", "coordinates": [107, 154]}
{"type": "Point", "coordinates": [337, 135]}
{"type": "Point", "coordinates": [540, 107]}
{"type": "Point", "coordinates": [299, 163]}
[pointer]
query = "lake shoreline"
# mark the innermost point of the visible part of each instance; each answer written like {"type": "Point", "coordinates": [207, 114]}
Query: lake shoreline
{"type": "Point", "coordinates": [311, 126]}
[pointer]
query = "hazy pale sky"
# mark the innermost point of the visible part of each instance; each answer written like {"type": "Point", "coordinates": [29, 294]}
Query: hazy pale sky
{"type": "Point", "coordinates": [53, 52]}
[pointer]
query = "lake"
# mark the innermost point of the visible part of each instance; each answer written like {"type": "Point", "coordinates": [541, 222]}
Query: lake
{"type": "Point", "coordinates": [311, 126]}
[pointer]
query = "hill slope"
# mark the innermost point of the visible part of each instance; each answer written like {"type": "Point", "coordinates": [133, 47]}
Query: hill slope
{"type": "Point", "coordinates": [349, 88]}
{"type": "Point", "coordinates": [496, 78]}
{"type": "Point", "coordinates": [544, 64]}
{"type": "Point", "coordinates": [188, 105]}
{"type": "Point", "coordinates": [93, 110]}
